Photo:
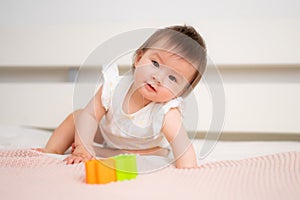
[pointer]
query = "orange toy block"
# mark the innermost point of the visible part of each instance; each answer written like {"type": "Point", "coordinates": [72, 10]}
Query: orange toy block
{"type": "Point", "coordinates": [106, 171]}
{"type": "Point", "coordinates": [100, 171]}
{"type": "Point", "coordinates": [90, 172]}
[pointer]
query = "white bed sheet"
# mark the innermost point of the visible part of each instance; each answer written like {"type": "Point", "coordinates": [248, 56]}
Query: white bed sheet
{"type": "Point", "coordinates": [13, 137]}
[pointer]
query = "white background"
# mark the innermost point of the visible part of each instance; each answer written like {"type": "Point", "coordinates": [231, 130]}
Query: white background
{"type": "Point", "coordinates": [255, 44]}
{"type": "Point", "coordinates": [39, 32]}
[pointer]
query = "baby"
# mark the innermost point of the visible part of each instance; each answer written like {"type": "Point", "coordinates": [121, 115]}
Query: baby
{"type": "Point", "coordinates": [140, 112]}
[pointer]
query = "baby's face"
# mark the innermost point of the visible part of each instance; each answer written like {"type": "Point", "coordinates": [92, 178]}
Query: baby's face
{"type": "Point", "coordinates": [161, 76]}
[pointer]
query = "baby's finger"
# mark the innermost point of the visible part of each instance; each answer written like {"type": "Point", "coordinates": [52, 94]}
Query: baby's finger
{"type": "Point", "coordinates": [69, 160]}
{"type": "Point", "coordinates": [77, 160]}
{"type": "Point", "coordinates": [73, 147]}
{"type": "Point", "coordinates": [66, 160]}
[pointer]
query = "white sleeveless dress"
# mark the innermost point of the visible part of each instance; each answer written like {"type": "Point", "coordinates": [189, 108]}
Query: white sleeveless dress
{"type": "Point", "coordinates": [136, 131]}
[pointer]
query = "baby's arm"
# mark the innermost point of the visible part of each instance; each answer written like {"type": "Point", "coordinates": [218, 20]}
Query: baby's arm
{"type": "Point", "coordinates": [183, 150]}
{"type": "Point", "coordinates": [86, 124]}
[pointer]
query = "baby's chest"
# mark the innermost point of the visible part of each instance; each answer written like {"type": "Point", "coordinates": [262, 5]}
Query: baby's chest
{"type": "Point", "coordinates": [133, 125]}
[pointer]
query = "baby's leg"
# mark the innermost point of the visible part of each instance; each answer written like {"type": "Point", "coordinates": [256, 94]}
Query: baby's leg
{"type": "Point", "coordinates": [98, 137]}
{"type": "Point", "coordinates": [63, 136]}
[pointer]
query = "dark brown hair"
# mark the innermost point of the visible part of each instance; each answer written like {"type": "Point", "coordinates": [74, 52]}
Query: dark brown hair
{"type": "Point", "coordinates": [184, 41]}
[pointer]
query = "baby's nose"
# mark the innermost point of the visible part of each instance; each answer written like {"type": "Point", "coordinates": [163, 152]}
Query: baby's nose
{"type": "Point", "coordinates": [157, 77]}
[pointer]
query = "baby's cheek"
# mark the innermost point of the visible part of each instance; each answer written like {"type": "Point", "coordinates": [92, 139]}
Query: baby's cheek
{"type": "Point", "coordinates": [138, 79]}
{"type": "Point", "coordinates": [167, 94]}
{"type": "Point", "coordinates": [173, 92]}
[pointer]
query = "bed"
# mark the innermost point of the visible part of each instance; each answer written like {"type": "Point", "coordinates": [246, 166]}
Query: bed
{"type": "Point", "coordinates": [233, 170]}
{"type": "Point", "coordinates": [259, 160]}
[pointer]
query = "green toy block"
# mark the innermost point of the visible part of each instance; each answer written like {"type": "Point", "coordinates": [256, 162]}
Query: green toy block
{"type": "Point", "coordinates": [126, 167]}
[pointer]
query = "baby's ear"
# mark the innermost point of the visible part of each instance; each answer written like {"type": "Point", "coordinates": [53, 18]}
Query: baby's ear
{"type": "Point", "coordinates": [138, 56]}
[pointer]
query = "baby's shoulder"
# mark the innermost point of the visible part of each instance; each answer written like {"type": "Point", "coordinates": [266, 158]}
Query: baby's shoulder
{"type": "Point", "coordinates": [174, 104]}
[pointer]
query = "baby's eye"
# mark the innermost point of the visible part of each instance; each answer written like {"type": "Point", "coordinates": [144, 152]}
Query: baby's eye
{"type": "Point", "coordinates": [173, 78]}
{"type": "Point", "coordinates": [156, 64]}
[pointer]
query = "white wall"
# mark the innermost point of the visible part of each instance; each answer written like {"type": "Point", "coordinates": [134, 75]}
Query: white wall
{"type": "Point", "coordinates": [54, 32]}
{"type": "Point", "coordinates": [255, 44]}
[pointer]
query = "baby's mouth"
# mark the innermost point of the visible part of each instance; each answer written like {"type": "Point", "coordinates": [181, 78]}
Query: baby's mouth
{"type": "Point", "coordinates": [150, 87]}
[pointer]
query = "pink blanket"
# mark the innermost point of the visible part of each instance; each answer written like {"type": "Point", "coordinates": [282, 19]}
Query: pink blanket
{"type": "Point", "coordinates": [26, 174]}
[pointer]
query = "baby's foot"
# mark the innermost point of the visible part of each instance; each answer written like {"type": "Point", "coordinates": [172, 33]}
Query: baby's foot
{"type": "Point", "coordinates": [44, 150]}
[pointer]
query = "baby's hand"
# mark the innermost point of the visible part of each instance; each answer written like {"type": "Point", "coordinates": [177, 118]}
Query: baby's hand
{"type": "Point", "coordinates": [79, 154]}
